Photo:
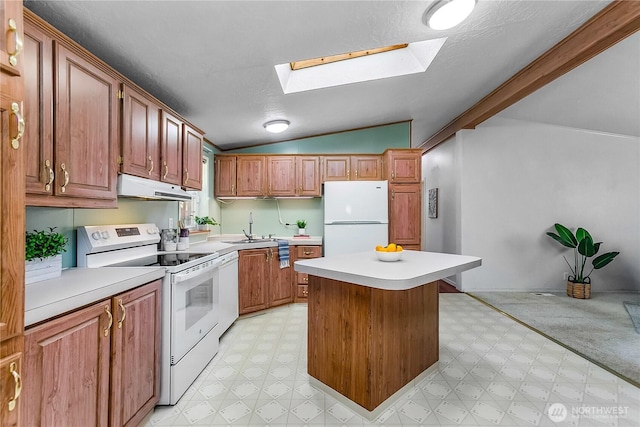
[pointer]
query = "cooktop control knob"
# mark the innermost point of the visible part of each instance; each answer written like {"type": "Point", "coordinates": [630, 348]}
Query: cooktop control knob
{"type": "Point", "coordinates": [95, 235]}
{"type": "Point", "coordinates": [105, 235]}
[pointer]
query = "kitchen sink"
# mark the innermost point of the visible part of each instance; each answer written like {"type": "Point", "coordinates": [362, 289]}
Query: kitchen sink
{"type": "Point", "coordinates": [251, 241]}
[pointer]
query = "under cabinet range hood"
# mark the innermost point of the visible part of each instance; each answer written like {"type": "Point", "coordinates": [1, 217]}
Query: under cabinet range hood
{"type": "Point", "coordinates": [133, 186]}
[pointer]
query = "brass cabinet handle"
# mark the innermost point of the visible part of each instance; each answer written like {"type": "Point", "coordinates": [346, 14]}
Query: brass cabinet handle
{"type": "Point", "coordinates": [166, 170]}
{"type": "Point", "coordinates": [13, 28]}
{"type": "Point", "coordinates": [233, 189]}
{"type": "Point", "coordinates": [13, 370]}
{"type": "Point", "coordinates": [15, 110]}
{"type": "Point", "coordinates": [356, 173]}
{"type": "Point", "coordinates": [393, 174]}
{"type": "Point", "coordinates": [393, 194]}
{"type": "Point", "coordinates": [106, 330]}
{"type": "Point", "coordinates": [307, 252]}
{"type": "Point", "coordinates": [124, 313]}
{"type": "Point", "coordinates": [47, 185]}
{"type": "Point", "coordinates": [66, 177]}
{"type": "Point", "coordinates": [348, 172]}
{"type": "Point", "coordinates": [186, 177]}
{"type": "Point", "coordinates": [150, 169]}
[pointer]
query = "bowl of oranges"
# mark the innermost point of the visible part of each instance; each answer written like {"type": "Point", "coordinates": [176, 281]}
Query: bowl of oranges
{"type": "Point", "coordinates": [391, 252]}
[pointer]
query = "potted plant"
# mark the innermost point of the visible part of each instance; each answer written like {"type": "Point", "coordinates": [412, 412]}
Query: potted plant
{"type": "Point", "coordinates": [579, 283]}
{"type": "Point", "coordinates": [43, 254]}
{"type": "Point", "coordinates": [301, 226]}
{"type": "Point", "coordinates": [204, 221]}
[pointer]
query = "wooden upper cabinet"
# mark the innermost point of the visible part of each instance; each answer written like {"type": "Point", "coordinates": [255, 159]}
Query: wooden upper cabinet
{"type": "Point", "coordinates": [366, 168]}
{"type": "Point", "coordinates": [251, 176]}
{"type": "Point", "coordinates": [281, 176]}
{"type": "Point", "coordinates": [11, 58]}
{"type": "Point", "coordinates": [405, 215]}
{"type": "Point", "coordinates": [402, 166]}
{"type": "Point", "coordinates": [38, 110]}
{"type": "Point", "coordinates": [140, 134]}
{"type": "Point", "coordinates": [85, 128]}
{"type": "Point", "coordinates": [191, 158]}
{"type": "Point", "coordinates": [335, 168]}
{"type": "Point", "coordinates": [308, 176]}
{"type": "Point", "coordinates": [224, 182]}
{"type": "Point", "coordinates": [171, 148]}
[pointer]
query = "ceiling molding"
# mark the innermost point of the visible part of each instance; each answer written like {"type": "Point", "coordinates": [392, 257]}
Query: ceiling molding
{"type": "Point", "coordinates": [612, 24]}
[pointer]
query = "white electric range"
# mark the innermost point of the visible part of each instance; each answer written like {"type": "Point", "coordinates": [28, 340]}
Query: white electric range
{"type": "Point", "coordinates": [190, 296]}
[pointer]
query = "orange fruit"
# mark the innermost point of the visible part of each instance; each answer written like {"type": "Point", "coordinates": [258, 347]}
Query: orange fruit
{"type": "Point", "coordinates": [391, 247]}
{"type": "Point", "coordinates": [398, 248]}
{"type": "Point", "coordinates": [379, 248]}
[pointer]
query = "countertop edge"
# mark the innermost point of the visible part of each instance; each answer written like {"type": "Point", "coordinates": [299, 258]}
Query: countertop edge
{"type": "Point", "coordinates": [55, 307]}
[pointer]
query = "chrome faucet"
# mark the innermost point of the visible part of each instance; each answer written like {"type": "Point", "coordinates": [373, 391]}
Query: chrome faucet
{"type": "Point", "coordinates": [250, 235]}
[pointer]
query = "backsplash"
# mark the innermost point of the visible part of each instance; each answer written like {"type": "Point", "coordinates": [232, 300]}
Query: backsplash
{"type": "Point", "coordinates": [129, 211]}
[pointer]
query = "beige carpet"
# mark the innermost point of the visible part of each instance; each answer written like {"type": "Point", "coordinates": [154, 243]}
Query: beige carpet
{"type": "Point", "coordinates": [599, 328]}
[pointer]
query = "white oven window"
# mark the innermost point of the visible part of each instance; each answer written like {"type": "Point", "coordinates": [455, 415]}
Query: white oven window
{"type": "Point", "coordinates": [198, 304]}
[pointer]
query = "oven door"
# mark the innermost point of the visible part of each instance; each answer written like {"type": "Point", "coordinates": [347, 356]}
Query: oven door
{"type": "Point", "coordinates": [194, 307]}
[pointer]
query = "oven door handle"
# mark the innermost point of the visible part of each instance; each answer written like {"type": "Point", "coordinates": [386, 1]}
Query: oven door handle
{"type": "Point", "coordinates": [188, 275]}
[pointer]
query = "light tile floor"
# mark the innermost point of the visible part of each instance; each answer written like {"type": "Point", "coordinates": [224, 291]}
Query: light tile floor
{"type": "Point", "coordinates": [492, 372]}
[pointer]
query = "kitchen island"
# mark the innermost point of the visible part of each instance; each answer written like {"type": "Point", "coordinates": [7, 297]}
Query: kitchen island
{"type": "Point", "coordinates": [373, 325]}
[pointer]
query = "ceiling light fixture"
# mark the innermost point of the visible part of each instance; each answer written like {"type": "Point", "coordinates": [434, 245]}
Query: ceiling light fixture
{"type": "Point", "coordinates": [276, 126]}
{"type": "Point", "coordinates": [445, 14]}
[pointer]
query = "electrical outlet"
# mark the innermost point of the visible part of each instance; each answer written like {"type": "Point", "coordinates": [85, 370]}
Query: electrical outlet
{"type": "Point", "coordinates": [170, 222]}
{"type": "Point", "coordinates": [565, 275]}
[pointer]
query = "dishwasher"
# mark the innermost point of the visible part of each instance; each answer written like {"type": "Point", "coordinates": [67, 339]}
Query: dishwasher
{"type": "Point", "coordinates": [228, 279]}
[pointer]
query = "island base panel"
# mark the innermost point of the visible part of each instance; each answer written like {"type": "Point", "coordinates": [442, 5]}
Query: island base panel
{"type": "Point", "coordinates": [368, 343]}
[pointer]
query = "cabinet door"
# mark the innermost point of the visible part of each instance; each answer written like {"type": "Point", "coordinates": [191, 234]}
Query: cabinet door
{"type": "Point", "coordinates": [281, 176]}
{"type": "Point", "coordinates": [38, 110]}
{"type": "Point", "coordinates": [251, 176]}
{"type": "Point", "coordinates": [403, 166]}
{"type": "Point", "coordinates": [308, 176]}
{"type": "Point", "coordinates": [280, 289]}
{"type": "Point", "coordinates": [253, 280]}
{"type": "Point", "coordinates": [10, 390]}
{"type": "Point", "coordinates": [224, 183]}
{"type": "Point", "coordinates": [11, 59]}
{"type": "Point", "coordinates": [366, 168]}
{"type": "Point", "coordinates": [135, 364]}
{"type": "Point", "coordinates": [171, 149]}
{"type": "Point", "coordinates": [335, 168]}
{"type": "Point", "coordinates": [66, 370]}
{"type": "Point", "coordinates": [191, 158]}
{"type": "Point", "coordinates": [405, 217]}
{"type": "Point", "coordinates": [85, 128]}
{"type": "Point", "coordinates": [140, 135]}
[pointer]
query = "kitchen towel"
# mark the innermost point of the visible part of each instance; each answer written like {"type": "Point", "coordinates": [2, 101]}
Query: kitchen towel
{"type": "Point", "coordinates": [283, 253]}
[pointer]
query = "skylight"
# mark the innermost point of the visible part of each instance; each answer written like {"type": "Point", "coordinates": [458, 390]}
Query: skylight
{"type": "Point", "coordinates": [355, 67]}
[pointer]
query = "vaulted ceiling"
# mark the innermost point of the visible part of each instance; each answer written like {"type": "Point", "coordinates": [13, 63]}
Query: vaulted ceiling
{"type": "Point", "coordinates": [213, 61]}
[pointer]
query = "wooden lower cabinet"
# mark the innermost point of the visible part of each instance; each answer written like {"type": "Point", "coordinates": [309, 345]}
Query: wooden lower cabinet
{"type": "Point", "coordinates": [97, 366]}
{"type": "Point", "coordinates": [301, 280]}
{"type": "Point", "coordinates": [261, 281]}
{"type": "Point", "coordinates": [10, 382]}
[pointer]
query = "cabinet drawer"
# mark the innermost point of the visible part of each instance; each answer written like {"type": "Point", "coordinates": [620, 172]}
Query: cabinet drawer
{"type": "Point", "coordinates": [303, 291]}
{"type": "Point", "coordinates": [305, 252]}
{"type": "Point", "coordinates": [302, 278]}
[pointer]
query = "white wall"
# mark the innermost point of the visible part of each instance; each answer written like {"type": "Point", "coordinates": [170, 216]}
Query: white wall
{"type": "Point", "coordinates": [509, 181]}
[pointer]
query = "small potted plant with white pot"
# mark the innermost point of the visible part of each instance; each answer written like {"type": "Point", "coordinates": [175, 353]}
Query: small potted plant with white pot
{"type": "Point", "coordinates": [203, 222]}
{"type": "Point", "coordinates": [302, 224]}
{"type": "Point", "coordinates": [43, 254]}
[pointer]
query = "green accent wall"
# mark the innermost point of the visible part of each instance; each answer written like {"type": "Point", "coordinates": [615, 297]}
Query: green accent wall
{"type": "Point", "coordinates": [372, 140]}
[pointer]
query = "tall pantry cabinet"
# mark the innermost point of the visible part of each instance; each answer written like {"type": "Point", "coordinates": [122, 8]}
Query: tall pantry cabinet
{"type": "Point", "coordinates": [403, 170]}
{"type": "Point", "coordinates": [12, 213]}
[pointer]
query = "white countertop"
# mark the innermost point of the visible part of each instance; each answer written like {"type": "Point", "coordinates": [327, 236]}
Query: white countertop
{"type": "Point", "coordinates": [78, 287]}
{"type": "Point", "coordinates": [218, 243]}
{"type": "Point", "coordinates": [414, 269]}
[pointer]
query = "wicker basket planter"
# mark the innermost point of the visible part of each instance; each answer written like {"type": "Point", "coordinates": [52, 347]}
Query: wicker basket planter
{"type": "Point", "coordinates": [579, 290]}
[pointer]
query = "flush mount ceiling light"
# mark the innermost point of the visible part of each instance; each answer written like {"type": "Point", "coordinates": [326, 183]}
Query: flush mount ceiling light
{"type": "Point", "coordinates": [276, 126]}
{"type": "Point", "coordinates": [445, 14]}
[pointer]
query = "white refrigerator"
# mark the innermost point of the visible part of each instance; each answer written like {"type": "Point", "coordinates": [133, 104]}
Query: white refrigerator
{"type": "Point", "coordinates": [356, 217]}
